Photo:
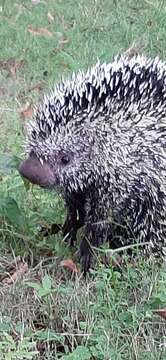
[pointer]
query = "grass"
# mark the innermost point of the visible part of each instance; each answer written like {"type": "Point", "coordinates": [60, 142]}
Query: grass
{"type": "Point", "coordinates": [45, 312]}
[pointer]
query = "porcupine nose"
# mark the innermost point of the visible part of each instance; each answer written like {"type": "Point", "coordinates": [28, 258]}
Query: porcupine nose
{"type": "Point", "coordinates": [35, 172]}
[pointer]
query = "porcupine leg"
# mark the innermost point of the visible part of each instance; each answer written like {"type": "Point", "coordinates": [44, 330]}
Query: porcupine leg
{"type": "Point", "coordinates": [95, 235]}
{"type": "Point", "coordinates": [96, 232]}
{"type": "Point", "coordinates": [75, 217]}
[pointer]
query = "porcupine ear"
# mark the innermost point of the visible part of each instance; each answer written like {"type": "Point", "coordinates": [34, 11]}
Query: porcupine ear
{"type": "Point", "coordinates": [36, 172]}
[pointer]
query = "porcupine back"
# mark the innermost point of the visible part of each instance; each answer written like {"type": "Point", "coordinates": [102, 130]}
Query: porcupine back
{"type": "Point", "coordinates": [105, 90]}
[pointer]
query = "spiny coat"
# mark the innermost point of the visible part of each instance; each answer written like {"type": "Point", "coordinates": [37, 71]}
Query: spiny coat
{"type": "Point", "coordinates": [100, 139]}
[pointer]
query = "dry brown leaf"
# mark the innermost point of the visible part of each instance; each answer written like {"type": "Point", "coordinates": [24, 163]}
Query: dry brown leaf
{"type": "Point", "coordinates": [161, 313]}
{"type": "Point", "coordinates": [136, 48]}
{"type": "Point", "coordinates": [12, 265]}
{"type": "Point", "coordinates": [39, 86]}
{"type": "Point", "coordinates": [12, 65]}
{"type": "Point", "coordinates": [22, 269]}
{"type": "Point", "coordinates": [69, 264]}
{"type": "Point", "coordinates": [26, 111]}
{"type": "Point", "coordinates": [8, 266]}
{"type": "Point", "coordinates": [3, 91]}
{"type": "Point", "coordinates": [63, 40]}
{"type": "Point", "coordinates": [40, 31]}
{"type": "Point", "coordinates": [50, 17]}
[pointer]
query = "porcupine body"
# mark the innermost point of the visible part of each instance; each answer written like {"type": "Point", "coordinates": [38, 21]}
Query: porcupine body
{"type": "Point", "coordinates": [100, 139]}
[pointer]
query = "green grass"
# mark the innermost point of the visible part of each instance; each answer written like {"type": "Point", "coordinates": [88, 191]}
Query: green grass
{"type": "Point", "coordinates": [46, 313]}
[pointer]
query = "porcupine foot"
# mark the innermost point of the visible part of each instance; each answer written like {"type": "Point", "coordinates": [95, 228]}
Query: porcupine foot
{"type": "Point", "coordinates": [94, 237]}
{"type": "Point", "coordinates": [86, 256]}
{"type": "Point", "coordinates": [69, 230]}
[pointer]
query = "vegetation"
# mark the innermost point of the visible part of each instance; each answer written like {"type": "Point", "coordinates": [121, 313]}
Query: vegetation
{"type": "Point", "coordinates": [47, 310]}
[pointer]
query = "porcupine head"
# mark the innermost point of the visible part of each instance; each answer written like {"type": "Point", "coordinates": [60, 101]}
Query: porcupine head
{"type": "Point", "coordinates": [66, 143]}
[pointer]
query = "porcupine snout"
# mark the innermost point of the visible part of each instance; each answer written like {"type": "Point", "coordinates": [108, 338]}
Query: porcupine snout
{"type": "Point", "coordinates": [36, 172]}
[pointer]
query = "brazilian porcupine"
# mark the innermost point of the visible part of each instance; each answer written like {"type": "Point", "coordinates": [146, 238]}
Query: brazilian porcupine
{"type": "Point", "coordinates": [100, 138]}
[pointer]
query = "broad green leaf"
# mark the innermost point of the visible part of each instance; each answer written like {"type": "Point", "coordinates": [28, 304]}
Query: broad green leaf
{"type": "Point", "coordinates": [10, 210]}
{"type": "Point", "coordinates": [43, 289]}
{"type": "Point", "coordinates": [9, 339]}
{"type": "Point", "coordinates": [34, 285]}
{"type": "Point", "coordinates": [47, 282]}
{"type": "Point", "coordinates": [81, 353]}
{"type": "Point", "coordinates": [8, 163]}
{"type": "Point", "coordinates": [5, 327]}
{"type": "Point", "coordinates": [49, 335]}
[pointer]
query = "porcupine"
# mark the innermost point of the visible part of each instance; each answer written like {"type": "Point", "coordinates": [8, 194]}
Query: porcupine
{"type": "Point", "coordinates": [100, 139]}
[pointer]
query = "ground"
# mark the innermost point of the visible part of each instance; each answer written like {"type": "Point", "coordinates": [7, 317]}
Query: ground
{"type": "Point", "coordinates": [48, 311]}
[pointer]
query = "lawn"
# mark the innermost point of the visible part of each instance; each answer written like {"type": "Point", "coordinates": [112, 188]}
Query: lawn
{"type": "Point", "coordinates": [47, 311]}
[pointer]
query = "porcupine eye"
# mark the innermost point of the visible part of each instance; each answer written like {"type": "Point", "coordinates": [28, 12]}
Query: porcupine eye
{"type": "Point", "coordinates": [65, 159]}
